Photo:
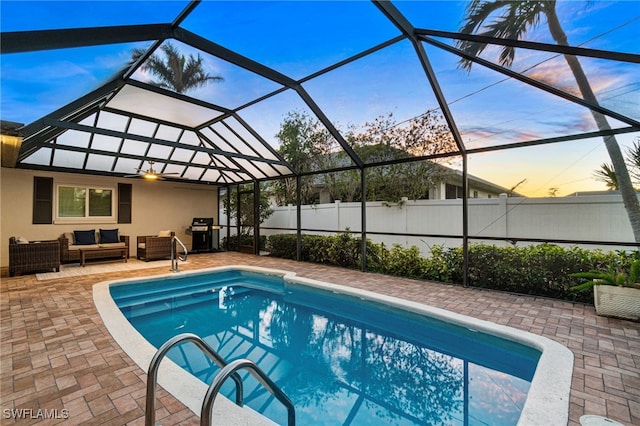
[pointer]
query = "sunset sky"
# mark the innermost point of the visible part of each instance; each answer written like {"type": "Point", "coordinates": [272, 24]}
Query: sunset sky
{"type": "Point", "coordinates": [300, 38]}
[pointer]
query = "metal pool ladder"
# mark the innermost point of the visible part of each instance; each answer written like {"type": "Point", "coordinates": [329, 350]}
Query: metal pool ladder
{"type": "Point", "coordinates": [174, 253]}
{"type": "Point", "coordinates": [227, 370]}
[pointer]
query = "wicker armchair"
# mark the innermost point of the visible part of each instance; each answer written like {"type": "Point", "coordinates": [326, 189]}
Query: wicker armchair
{"type": "Point", "coordinates": [33, 256]}
{"type": "Point", "coordinates": [153, 247]}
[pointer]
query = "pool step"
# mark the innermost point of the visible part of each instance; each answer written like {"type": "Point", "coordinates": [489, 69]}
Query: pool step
{"type": "Point", "coordinates": [156, 294]}
{"type": "Point", "coordinates": [229, 370]}
{"type": "Point", "coordinates": [150, 288]}
{"type": "Point", "coordinates": [188, 297]}
{"type": "Point", "coordinates": [273, 365]}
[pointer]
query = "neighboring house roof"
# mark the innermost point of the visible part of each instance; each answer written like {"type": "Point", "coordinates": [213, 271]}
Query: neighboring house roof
{"type": "Point", "coordinates": [581, 193]}
{"type": "Point", "coordinates": [485, 185]}
{"type": "Point", "coordinates": [455, 176]}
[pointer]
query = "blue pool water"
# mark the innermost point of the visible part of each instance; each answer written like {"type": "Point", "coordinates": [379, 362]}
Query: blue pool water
{"type": "Point", "coordinates": [341, 360]}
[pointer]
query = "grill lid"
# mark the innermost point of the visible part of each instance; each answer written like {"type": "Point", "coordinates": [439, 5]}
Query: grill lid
{"type": "Point", "coordinates": [202, 221]}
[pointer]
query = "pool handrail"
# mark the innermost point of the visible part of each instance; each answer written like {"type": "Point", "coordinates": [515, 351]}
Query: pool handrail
{"type": "Point", "coordinates": [206, 416]}
{"type": "Point", "coordinates": [174, 253]}
{"type": "Point", "coordinates": [154, 365]}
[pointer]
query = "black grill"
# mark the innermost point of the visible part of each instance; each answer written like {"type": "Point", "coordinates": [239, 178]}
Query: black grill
{"type": "Point", "coordinates": [202, 234]}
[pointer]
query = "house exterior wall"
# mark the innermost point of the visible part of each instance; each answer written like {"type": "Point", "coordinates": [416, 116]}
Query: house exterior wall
{"type": "Point", "coordinates": [156, 205]}
{"type": "Point", "coordinates": [436, 192]}
{"type": "Point", "coordinates": [475, 191]}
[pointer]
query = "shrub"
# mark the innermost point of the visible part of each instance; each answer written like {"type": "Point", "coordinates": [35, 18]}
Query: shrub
{"type": "Point", "coordinates": [402, 261]}
{"type": "Point", "coordinates": [245, 240]}
{"type": "Point", "coordinates": [543, 270]}
{"type": "Point", "coordinates": [340, 250]}
{"type": "Point", "coordinates": [344, 250]}
{"type": "Point", "coordinates": [444, 265]}
{"type": "Point", "coordinates": [282, 245]}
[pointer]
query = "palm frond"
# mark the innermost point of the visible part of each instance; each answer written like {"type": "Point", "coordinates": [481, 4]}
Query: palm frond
{"type": "Point", "coordinates": [174, 71]}
{"type": "Point", "coordinates": [607, 175]}
{"type": "Point", "coordinates": [583, 286]}
{"type": "Point", "coordinates": [590, 275]}
{"type": "Point", "coordinates": [137, 53]}
{"type": "Point", "coordinates": [478, 11]}
{"type": "Point", "coordinates": [633, 160]}
{"type": "Point", "coordinates": [517, 18]}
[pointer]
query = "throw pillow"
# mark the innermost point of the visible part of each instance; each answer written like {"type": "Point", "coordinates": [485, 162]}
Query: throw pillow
{"type": "Point", "coordinates": [109, 236]}
{"type": "Point", "coordinates": [164, 233]}
{"type": "Point", "coordinates": [69, 236]}
{"type": "Point", "coordinates": [85, 237]}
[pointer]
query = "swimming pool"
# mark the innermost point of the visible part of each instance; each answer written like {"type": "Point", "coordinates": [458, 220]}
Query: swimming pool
{"type": "Point", "coordinates": [382, 360]}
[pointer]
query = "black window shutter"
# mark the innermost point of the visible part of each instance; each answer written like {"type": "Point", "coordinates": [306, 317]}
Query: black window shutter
{"type": "Point", "coordinates": [42, 200]}
{"type": "Point", "coordinates": [125, 191]}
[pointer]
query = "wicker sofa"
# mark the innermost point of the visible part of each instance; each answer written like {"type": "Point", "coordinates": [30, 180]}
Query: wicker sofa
{"type": "Point", "coordinates": [153, 247]}
{"type": "Point", "coordinates": [33, 256]}
{"type": "Point", "coordinates": [70, 248]}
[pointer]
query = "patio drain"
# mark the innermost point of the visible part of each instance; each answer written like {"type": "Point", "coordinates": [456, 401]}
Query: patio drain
{"type": "Point", "coordinates": [592, 420]}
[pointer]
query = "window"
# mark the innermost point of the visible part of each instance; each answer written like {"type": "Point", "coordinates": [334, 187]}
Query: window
{"type": "Point", "coordinates": [84, 204]}
{"type": "Point", "coordinates": [453, 191]}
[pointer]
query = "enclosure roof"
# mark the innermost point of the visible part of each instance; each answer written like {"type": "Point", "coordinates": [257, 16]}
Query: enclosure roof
{"type": "Point", "coordinates": [338, 62]}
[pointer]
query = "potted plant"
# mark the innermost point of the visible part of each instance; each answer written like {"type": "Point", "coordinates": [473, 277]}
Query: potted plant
{"type": "Point", "coordinates": [615, 293]}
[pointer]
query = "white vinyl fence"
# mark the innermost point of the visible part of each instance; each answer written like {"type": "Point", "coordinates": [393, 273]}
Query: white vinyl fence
{"type": "Point", "coordinates": [586, 218]}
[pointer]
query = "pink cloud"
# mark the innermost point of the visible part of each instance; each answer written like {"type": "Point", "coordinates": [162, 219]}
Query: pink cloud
{"type": "Point", "coordinates": [557, 73]}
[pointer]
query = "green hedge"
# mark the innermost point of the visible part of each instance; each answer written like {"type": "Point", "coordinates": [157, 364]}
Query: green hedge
{"type": "Point", "coordinates": [541, 270]}
{"type": "Point", "coordinates": [538, 270]}
{"type": "Point", "coordinates": [245, 240]}
{"type": "Point", "coordinates": [341, 250]}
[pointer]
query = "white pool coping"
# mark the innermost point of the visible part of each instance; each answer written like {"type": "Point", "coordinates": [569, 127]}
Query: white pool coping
{"type": "Point", "coordinates": [547, 400]}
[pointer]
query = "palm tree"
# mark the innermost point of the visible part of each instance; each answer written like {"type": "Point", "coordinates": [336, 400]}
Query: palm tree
{"type": "Point", "coordinates": [516, 19]}
{"type": "Point", "coordinates": [175, 71]}
{"type": "Point", "coordinates": [607, 175]}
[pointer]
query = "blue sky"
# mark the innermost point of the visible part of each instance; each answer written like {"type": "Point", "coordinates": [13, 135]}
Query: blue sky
{"type": "Point", "coordinates": [299, 38]}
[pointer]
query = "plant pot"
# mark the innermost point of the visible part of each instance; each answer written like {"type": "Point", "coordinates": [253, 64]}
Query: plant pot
{"type": "Point", "coordinates": [619, 302]}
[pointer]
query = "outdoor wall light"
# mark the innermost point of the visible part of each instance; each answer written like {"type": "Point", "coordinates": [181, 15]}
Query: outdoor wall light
{"type": "Point", "coordinates": [10, 149]}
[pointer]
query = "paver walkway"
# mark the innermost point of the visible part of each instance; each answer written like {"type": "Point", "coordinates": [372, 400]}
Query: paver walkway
{"type": "Point", "coordinates": [57, 356]}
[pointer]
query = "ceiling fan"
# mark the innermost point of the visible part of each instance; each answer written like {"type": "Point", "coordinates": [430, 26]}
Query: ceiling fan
{"type": "Point", "coordinates": [150, 173]}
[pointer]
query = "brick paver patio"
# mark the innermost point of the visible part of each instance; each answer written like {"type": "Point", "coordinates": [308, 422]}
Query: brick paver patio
{"type": "Point", "coordinates": [57, 356]}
